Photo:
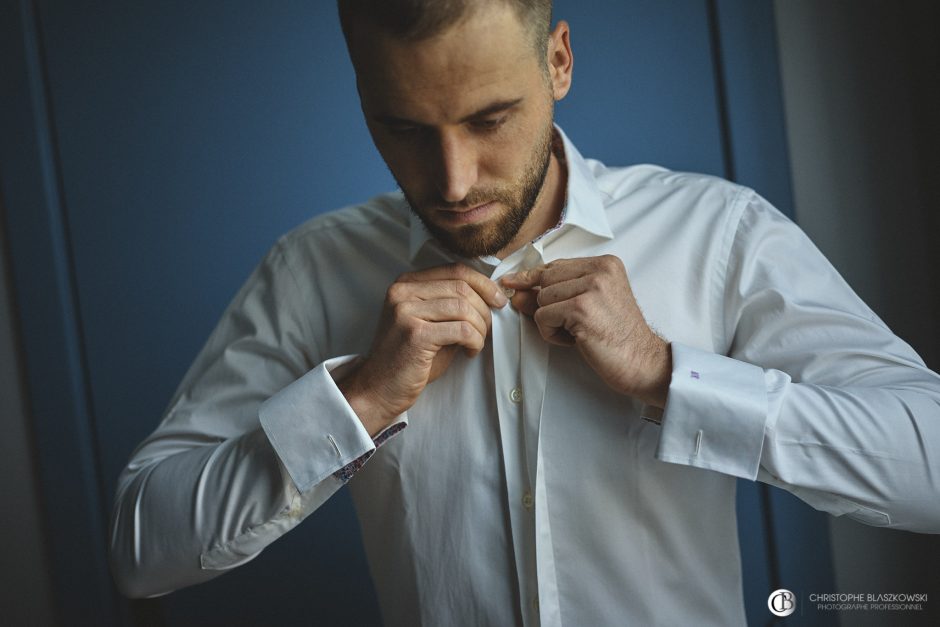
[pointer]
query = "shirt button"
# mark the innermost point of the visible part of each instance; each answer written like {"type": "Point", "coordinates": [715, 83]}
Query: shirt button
{"type": "Point", "coordinates": [527, 501]}
{"type": "Point", "coordinates": [516, 395]}
{"type": "Point", "coordinates": [535, 603]}
{"type": "Point", "coordinates": [509, 292]}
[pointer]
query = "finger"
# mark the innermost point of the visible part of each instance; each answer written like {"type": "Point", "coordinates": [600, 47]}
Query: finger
{"type": "Point", "coordinates": [526, 301]}
{"type": "Point", "coordinates": [553, 323]}
{"type": "Point", "coordinates": [566, 290]}
{"type": "Point", "coordinates": [444, 310]}
{"type": "Point", "coordinates": [437, 290]}
{"type": "Point", "coordinates": [548, 274]}
{"type": "Point", "coordinates": [489, 291]}
{"type": "Point", "coordinates": [456, 333]}
{"type": "Point", "coordinates": [524, 279]}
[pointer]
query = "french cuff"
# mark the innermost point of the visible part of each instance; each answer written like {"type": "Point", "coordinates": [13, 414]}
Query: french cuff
{"type": "Point", "coordinates": [346, 472]}
{"type": "Point", "coordinates": [312, 428]}
{"type": "Point", "coordinates": [715, 413]}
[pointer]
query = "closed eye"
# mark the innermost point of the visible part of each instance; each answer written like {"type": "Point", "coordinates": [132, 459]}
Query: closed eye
{"type": "Point", "coordinates": [405, 130]}
{"type": "Point", "coordinates": [486, 120]}
{"type": "Point", "coordinates": [489, 124]}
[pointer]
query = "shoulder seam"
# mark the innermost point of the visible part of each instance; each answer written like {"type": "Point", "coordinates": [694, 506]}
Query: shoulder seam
{"type": "Point", "coordinates": [719, 277]}
{"type": "Point", "coordinates": [282, 253]}
{"type": "Point", "coordinates": [330, 220]}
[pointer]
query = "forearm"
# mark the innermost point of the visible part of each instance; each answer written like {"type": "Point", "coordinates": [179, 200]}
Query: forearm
{"type": "Point", "coordinates": [866, 448]}
{"type": "Point", "coordinates": [869, 453]}
{"type": "Point", "coordinates": [188, 517]}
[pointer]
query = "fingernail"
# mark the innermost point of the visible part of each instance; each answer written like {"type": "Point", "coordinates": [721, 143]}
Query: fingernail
{"type": "Point", "coordinates": [501, 299]}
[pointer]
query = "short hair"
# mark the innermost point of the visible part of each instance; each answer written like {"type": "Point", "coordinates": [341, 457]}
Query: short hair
{"type": "Point", "coordinates": [416, 20]}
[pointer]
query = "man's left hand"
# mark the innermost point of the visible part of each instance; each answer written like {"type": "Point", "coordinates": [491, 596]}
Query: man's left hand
{"type": "Point", "coordinates": [588, 303]}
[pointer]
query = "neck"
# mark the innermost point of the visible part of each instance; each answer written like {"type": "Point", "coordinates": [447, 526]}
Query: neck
{"type": "Point", "coordinates": [548, 206]}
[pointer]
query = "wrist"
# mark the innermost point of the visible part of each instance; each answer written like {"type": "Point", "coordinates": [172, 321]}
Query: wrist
{"type": "Point", "coordinates": [368, 407]}
{"type": "Point", "coordinates": [656, 375]}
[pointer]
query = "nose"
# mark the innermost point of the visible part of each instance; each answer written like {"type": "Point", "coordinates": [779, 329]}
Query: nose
{"type": "Point", "coordinates": [458, 166]}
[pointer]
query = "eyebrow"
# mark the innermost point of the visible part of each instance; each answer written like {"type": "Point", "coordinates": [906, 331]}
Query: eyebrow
{"type": "Point", "coordinates": [490, 109]}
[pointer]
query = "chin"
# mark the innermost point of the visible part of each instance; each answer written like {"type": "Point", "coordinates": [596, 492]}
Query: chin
{"type": "Point", "coordinates": [477, 240]}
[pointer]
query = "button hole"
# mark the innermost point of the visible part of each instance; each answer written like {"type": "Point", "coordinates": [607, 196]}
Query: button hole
{"type": "Point", "coordinates": [698, 443]}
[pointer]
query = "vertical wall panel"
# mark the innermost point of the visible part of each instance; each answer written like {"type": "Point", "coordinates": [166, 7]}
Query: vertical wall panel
{"type": "Point", "coordinates": [753, 98]}
{"type": "Point", "coordinates": [796, 539]}
{"type": "Point", "coordinates": [45, 292]}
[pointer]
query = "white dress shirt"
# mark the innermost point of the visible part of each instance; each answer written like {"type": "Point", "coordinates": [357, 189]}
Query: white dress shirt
{"type": "Point", "coordinates": [523, 491]}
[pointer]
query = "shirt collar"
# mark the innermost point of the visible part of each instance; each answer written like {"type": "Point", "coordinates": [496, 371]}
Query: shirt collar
{"type": "Point", "coordinates": [584, 206]}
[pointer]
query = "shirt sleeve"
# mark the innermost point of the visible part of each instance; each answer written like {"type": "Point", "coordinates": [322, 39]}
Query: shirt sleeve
{"type": "Point", "coordinates": [253, 441]}
{"type": "Point", "coordinates": [314, 430]}
{"type": "Point", "coordinates": [815, 394]}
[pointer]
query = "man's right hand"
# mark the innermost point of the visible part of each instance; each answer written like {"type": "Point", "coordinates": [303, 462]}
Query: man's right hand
{"type": "Point", "coordinates": [426, 317]}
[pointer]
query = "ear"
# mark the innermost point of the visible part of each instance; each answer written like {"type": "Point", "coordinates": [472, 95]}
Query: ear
{"type": "Point", "coordinates": [560, 60]}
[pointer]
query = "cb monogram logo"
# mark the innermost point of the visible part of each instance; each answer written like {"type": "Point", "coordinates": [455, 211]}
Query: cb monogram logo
{"type": "Point", "coordinates": [781, 602]}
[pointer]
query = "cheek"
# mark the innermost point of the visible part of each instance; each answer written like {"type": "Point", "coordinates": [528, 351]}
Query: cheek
{"type": "Point", "coordinates": [506, 159]}
{"type": "Point", "coordinates": [497, 165]}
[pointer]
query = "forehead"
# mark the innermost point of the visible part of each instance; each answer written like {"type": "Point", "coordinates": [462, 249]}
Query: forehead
{"type": "Point", "coordinates": [486, 56]}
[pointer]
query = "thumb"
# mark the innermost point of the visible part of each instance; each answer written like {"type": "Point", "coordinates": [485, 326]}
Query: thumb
{"type": "Point", "coordinates": [524, 279]}
{"type": "Point", "coordinates": [526, 301]}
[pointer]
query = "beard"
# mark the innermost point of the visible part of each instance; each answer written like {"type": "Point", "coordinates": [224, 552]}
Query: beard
{"type": "Point", "coordinates": [492, 236]}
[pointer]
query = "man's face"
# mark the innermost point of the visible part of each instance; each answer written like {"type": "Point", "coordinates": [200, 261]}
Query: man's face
{"type": "Point", "coordinates": [464, 123]}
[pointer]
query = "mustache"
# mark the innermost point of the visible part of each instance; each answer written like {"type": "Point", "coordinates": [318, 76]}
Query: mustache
{"type": "Point", "coordinates": [474, 198]}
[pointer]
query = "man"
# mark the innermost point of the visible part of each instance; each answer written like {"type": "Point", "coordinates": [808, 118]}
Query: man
{"type": "Point", "coordinates": [556, 460]}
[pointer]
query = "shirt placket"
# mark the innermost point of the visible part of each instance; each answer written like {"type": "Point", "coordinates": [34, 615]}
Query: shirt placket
{"type": "Point", "coordinates": [520, 365]}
